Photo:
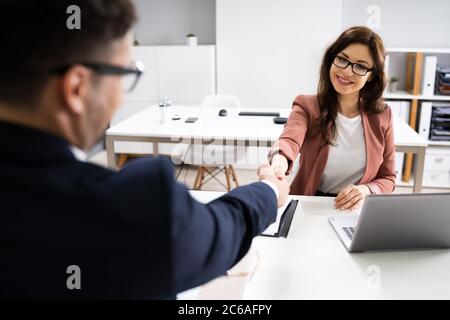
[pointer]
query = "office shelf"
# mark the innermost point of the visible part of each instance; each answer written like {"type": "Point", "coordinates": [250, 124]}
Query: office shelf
{"type": "Point", "coordinates": [414, 58]}
{"type": "Point", "coordinates": [419, 50]}
{"type": "Point", "coordinates": [404, 95]}
{"type": "Point", "coordinates": [439, 143]}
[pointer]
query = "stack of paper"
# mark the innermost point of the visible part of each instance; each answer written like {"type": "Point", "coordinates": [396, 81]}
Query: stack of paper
{"type": "Point", "coordinates": [440, 123]}
{"type": "Point", "coordinates": [443, 80]}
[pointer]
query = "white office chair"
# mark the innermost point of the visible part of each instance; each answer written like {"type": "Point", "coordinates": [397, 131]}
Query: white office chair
{"type": "Point", "coordinates": [221, 101]}
{"type": "Point", "coordinates": [206, 171]}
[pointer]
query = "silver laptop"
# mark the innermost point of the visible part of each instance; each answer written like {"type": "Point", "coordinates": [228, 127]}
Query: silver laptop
{"type": "Point", "coordinates": [397, 222]}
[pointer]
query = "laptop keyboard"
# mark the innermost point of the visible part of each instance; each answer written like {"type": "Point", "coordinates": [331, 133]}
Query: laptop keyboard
{"type": "Point", "coordinates": [349, 231]}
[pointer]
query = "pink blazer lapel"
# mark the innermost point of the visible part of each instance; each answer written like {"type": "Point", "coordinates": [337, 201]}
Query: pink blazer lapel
{"type": "Point", "coordinates": [370, 152]}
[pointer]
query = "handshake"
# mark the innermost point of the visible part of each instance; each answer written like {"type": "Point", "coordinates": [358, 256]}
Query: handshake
{"type": "Point", "coordinates": [274, 174]}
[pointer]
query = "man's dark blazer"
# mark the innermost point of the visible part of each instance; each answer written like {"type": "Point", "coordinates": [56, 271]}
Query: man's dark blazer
{"type": "Point", "coordinates": [133, 234]}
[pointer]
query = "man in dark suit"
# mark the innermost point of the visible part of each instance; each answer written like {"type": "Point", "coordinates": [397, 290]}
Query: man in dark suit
{"type": "Point", "coordinates": [71, 229]}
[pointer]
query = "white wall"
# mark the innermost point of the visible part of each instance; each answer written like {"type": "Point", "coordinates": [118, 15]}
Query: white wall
{"type": "Point", "coordinates": [268, 51]}
{"type": "Point", "coordinates": [405, 23]}
{"type": "Point", "coordinates": [167, 22]}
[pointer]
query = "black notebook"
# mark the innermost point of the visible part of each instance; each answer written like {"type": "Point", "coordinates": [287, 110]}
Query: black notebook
{"type": "Point", "coordinates": [280, 227]}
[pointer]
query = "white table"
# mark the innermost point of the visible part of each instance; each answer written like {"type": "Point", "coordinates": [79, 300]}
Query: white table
{"type": "Point", "coordinates": [233, 129]}
{"type": "Point", "coordinates": [311, 263]}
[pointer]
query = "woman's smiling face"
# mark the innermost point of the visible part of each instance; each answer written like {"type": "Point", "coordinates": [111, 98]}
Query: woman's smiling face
{"type": "Point", "coordinates": [345, 81]}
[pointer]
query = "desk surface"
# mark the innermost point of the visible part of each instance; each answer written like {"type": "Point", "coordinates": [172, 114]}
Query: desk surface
{"type": "Point", "coordinates": [209, 125]}
{"type": "Point", "coordinates": [313, 264]}
{"type": "Point", "coordinates": [234, 127]}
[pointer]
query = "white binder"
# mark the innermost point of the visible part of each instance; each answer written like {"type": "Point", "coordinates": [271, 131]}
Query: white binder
{"type": "Point", "coordinates": [426, 109]}
{"type": "Point", "coordinates": [429, 75]}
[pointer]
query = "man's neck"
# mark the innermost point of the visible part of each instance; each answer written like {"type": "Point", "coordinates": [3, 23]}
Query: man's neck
{"type": "Point", "coordinates": [36, 120]}
{"type": "Point", "coordinates": [20, 116]}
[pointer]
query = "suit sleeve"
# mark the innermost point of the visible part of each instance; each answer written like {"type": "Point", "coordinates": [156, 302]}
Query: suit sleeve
{"type": "Point", "coordinates": [384, 181]}
{"type": "Point", "coordinates": [293, 135]}
{"type": "Point", "coordinates": [208, 239]}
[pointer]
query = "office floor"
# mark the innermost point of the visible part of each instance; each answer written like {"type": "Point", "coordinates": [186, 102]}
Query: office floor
{"type": "Point", "coordinates": [245, 176]}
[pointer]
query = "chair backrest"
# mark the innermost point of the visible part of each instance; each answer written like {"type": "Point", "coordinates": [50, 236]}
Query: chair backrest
{"type": "Point", "coordinates": [221, 101]}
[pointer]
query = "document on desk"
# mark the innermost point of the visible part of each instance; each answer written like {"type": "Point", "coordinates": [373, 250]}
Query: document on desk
{"type": "Point", "coordinates": [280, 227]}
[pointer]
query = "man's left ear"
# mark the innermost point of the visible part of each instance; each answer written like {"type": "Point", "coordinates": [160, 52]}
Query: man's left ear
{"type": "Point", "coordinates": [74, 86]}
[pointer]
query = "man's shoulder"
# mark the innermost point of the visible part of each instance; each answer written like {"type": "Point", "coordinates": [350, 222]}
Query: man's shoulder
{"type": "Point", "coordinates": [143, 183]}
{"type": "Point", "coordinates": [149, 166]}
{"type": "Point", "coordinates": [146, 170]}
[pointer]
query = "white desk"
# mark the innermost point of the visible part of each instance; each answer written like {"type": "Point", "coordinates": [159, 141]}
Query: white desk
{"type": "Point", "coordinates": [313, 264]}
{"type": "Point", "coordinates": [145, 126]}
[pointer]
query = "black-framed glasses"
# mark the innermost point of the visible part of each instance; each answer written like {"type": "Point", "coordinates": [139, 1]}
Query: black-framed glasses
{"type": "Point", "coordinates": [131, 74]}
{"type": "Point", "coordinates": [357, 68]}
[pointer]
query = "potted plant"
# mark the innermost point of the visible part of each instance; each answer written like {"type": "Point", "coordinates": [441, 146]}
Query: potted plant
{"type": "Point", "coordinates": [191, 39]}
{"type": "Point", "coordinates": [393, 84]}
{"type": "Point", "coordinates": [135, 42]}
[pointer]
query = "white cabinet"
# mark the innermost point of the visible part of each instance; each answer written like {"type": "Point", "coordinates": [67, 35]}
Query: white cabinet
{"type": "Point", "coordinates": [184, 74]}
{"type": "Point", "coordinates": [181, 73]}
{"type": "Point", "coordinates": [437, 167]}
{"type": "Point", "coordinates": [436, 179]}
{"type": "Point", "coordinates": [147, 87]}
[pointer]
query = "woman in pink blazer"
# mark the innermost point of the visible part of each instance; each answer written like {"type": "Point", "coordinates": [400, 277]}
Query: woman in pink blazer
{"type": "Point", "coordinates": [344, 133]}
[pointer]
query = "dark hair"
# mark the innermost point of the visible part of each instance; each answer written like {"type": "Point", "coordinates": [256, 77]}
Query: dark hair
{"type": "Point", "coordinates": [370, 95]}
{"type": "Point", "coordinates": [34, 39]}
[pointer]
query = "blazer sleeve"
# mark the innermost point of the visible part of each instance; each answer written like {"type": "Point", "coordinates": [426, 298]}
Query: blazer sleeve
{"type": "Point", "coordinates": [384, 181]}
{"type": "Point", "coordinates": [293, 135]}
{"type": "Point", "coordinates": [208, 239]}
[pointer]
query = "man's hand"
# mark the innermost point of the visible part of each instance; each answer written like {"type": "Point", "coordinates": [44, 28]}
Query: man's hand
{"type": "Point", "coordinates": [266, 172]}
{"type": "Point", "coordinates": [351, 198]}
{"type": "Point", "coordinates": [279, 164]}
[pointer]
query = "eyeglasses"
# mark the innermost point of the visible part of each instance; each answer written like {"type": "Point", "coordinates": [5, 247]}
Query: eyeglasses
{"type": "Point", "coordinates": [131, 75]}
{"type": "Point", "coordinates": [357, 68]}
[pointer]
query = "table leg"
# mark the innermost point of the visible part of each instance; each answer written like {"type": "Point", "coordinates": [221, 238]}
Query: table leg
{"type": "Point", "coordinates": [418, 169]}
{"type": "Point", "coordinates": [227, 174]}
{"type": "Point", "coordinates": [155, 149]}
{"type": "Point", "coordinates": [111, 156]}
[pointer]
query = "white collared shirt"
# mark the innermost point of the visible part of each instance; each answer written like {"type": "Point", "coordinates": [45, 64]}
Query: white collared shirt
{"type": "Point", "coordinates": [79, 154]}
{"type": "Point", "coordinates": [273, 187]}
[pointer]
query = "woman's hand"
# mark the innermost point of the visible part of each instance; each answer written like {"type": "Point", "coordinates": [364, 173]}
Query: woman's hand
{"type": "Point", "coordinates": [279, 164]}
{"type": "Point", "coordinates": [352, 197]}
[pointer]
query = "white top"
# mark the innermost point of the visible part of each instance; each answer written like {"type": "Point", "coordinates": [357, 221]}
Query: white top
{"type": "Point", "coordinates": [347, 158]}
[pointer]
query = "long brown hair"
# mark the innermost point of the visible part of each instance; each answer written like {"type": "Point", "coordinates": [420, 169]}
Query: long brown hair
{"type": "Point", "coordinates": [370, 95]}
